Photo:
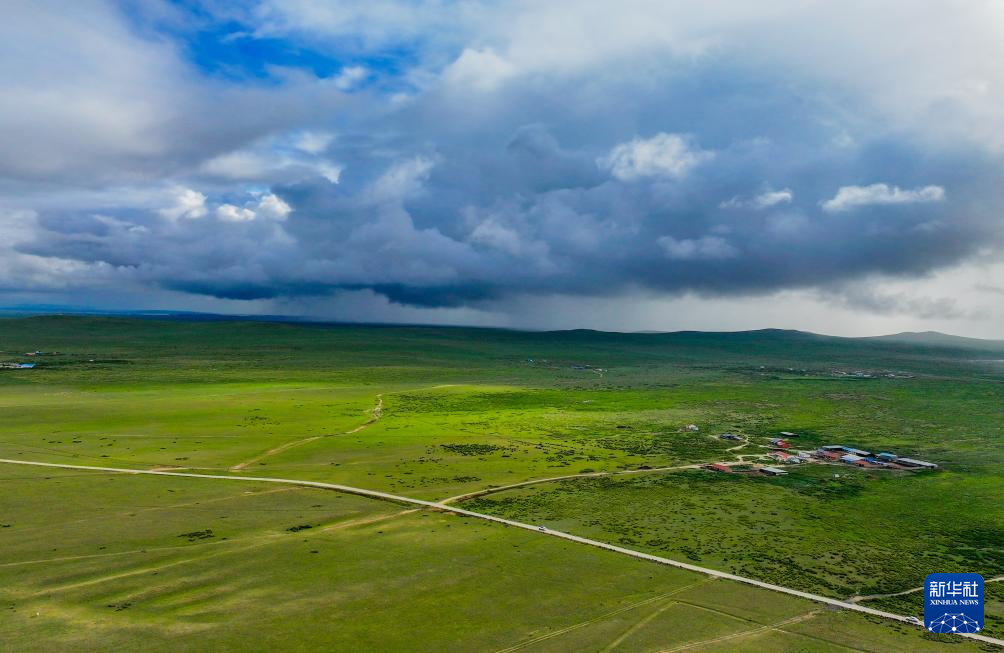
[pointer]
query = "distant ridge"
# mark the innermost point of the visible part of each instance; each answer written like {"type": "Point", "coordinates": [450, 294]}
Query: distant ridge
{"type": "Point", "coordinates": [938, 339]}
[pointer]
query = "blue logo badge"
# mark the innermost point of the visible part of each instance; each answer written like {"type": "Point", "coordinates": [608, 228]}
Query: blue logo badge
{"type": "Point", "coordinates": [953, 603]}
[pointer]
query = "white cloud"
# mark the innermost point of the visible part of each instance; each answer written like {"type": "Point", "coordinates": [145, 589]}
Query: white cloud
{"type": "Point", "coordinates": [104, 99]}
{"type": "Point", "coordinates": [761, 201]}
{"type": "Point", "coordinates": [697, 249]}
{"type": "Point", "coordinates": [313, 142]}
{"type": "Point", "coordinates": [372, 23]}
{"type": "Point", "coordinates": [349, 77]}
{"type": "Point", "coordinates": [402, 179]}
{"type": "Point", "coordinates": [269, 207]}
{"type": "Point", "coordinates": [240, 165]}
{"type": "Point", "coordinates": [939, 79]}
{"type": "Point", "coordinates": [188, 203]}
{"type": "Point", "coordinates": [849, 197]}
{"type": "Point", "coordinates": [494, 234]}
{"type": "Point", "coordinates": [272, 207]}
{"type": "Point", "coordinates": [483, 70]}
{"type": "Point", "coordinates": [330, 172]}
{"type": "Point", "coordinates": [663, 155]}
{"type": "Point", "coordinates": [773, 198]}
{"type": "Point", "coordinates": [231, 213]}
{"type": "Point", "coordinates": [286, 158]}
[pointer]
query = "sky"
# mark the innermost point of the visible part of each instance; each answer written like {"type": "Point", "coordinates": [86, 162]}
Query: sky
{"type": "Point", "coordinates": [631, 165]}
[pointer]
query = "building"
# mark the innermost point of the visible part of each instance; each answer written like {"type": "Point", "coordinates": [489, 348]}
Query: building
{"type": "Point", "coordinates": [856, 452]}
{"type": "Point", "coordinates": [910, 462]}
{"type": "Point", "coordinates": [718, 467]}
{"type": "Point", "coordinates": [691, 427]}
{"type": "Point", "coordinates": [778, 442]}
{"type": "Point", "coordinates": [832, 447]}
{"type": "Point", "coordinates": [850, 458]}
{"type": "Point", "coordinates": [729, 436]}
{"type": "Point", "coordinates": [788, 434]}
{"type": "Point", "coordinates": [779, 456]}
{"type": "Point", "coordinates": [863, 462]}
{"type": "Point", "coordinates": [773, 471]}
{"type": "Point", "coordinates": [804, 455]}
{"type": "Point", "coordinates": [888, 457]}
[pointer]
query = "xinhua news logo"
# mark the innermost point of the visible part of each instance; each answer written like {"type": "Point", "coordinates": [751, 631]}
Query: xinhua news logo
{"type": "Point", "coordinates": [953, 603]}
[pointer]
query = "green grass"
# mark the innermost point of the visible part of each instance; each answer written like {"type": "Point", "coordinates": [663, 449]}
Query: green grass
{"type": "Point", "coordinates": [96, 561]}
{"type": "Point", "coordinates": [365, 575]}
{"type": "Point", "coordinates": [863, 533]}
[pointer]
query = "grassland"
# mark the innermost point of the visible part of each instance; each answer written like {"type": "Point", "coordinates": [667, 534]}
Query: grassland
{"type": "Point", "coordinates": [96, 561]}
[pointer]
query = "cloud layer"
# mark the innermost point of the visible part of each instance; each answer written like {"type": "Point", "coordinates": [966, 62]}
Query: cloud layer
{"type": "Point", "coordinates": [564, 149]}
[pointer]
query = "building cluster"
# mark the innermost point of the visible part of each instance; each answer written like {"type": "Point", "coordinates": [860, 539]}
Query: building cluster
{"type": "Point", "coordinates": [861, 458]}
{"type": "Point", "coordinates": [13, 365]}
{"type": "Point", "coordinates": [785, 457]}
{"type": "Point", "coordinates": [744, 469]}
{"type": "Point", "coordinates": [16, 366]}
{"type": "Point", "coordinates": [782, 454]}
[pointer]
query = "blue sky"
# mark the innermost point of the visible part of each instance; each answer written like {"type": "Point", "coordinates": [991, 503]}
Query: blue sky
{"type": "Point", "coordinates": [225, 45]}
{"type": "Point", "coordinates": [631, 165]}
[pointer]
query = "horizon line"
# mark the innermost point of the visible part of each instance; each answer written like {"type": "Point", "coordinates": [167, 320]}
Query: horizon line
{"type": "Point", "coordinates": [46, 310]}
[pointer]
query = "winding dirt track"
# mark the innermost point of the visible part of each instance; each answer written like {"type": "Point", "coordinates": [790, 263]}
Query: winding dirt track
{"type": "Point", "coordinates": [385, 496]}
{"type": "Point", "coordinates": [740, 459]}
{"type": "Point", "coordinates": [537, 481]}
{"type": "Point", "coordinates": [375, 414]}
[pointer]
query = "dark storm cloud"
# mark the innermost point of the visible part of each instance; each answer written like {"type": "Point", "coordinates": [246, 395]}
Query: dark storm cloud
{"type": "Point", "coordinates": [448, 215]}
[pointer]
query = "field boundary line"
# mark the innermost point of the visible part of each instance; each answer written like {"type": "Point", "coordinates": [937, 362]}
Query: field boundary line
{"type": "Point", "coordinates": [434, 505]}
{"type": "Point", "coordinates": [613, 613]}
{"type": "Point", "coordinates": [637, 626]}
{"type": "Point", "coordinates": [743, 633]}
